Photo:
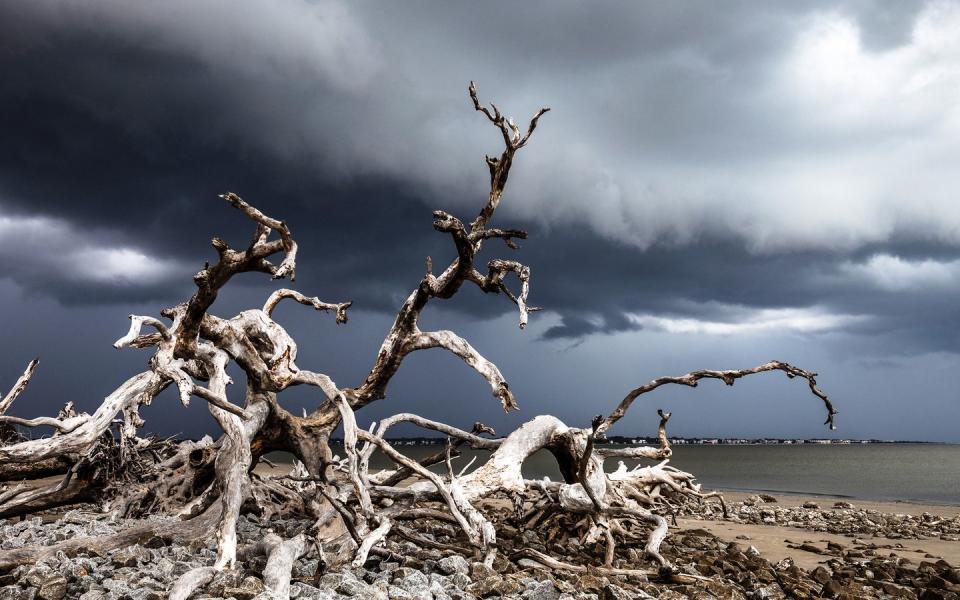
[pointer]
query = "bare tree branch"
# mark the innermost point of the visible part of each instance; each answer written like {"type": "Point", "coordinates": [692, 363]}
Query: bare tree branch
{"type": "Point", "coordinates": [728, 377]}
{"type": "Point", "coordinates": [18, 386]}
{"type": "Point", "coordinates": [274, 299]}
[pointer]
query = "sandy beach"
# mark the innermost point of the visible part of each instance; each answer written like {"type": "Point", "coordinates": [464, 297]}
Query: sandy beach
{"type": "Point", "coordinates": [776, 542]}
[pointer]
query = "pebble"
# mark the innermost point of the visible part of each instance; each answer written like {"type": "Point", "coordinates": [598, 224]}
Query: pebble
{"type": "Point", "coordinates": [855, 570]}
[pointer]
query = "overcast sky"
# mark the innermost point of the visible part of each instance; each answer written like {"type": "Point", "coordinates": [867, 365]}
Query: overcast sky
{"type": "Point", "coordinates": [718, 185]}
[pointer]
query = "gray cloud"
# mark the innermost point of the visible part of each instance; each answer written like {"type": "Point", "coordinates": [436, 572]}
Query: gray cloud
{"type": "Point", "coordinates": [724, 175]}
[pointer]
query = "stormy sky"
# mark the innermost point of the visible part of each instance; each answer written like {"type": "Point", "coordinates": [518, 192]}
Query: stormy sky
{"type": "Point", "coordinates": [717, 185]}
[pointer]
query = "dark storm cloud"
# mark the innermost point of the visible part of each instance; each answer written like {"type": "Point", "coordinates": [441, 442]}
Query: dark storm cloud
{"type": "Point", "coordinates": [737, 169]}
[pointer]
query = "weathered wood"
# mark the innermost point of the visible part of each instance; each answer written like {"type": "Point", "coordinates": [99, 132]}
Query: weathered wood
{"type": "Point", "coordinates": [191, 490]}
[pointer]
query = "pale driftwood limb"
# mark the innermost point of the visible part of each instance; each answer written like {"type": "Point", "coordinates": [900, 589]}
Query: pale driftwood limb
{"type": "Point", "coordinates": [660, 453]}
{"type": "Point", "coordinates": [582, 473]}
{"type": "Point", "coordinates": [493, 282]}
{"type": "Point", "coordinates": [350, 434]}
{"type": "Point", "coordinates": [61, 425]}
{"type": "Point", "coordinates": [288, 266]}
{"type": "Point", "coordinates": [191, 581]}
{"type": "Point", "coordinates": [339, 309]}
{"type": "Point", "coordinates": [370, 540]}
{"type": "Point", "coordinates": [136, 324]}
{"type": "Point", "coordinates": [448, 340]}
{"type": "Point", "coordinates": [456, 508]}
{"type": "Point", "coordinates": [500, 167]}
{"type": "Point", "coordinates": [655, 538]}
{"type": "Point", "coordinates": [137, 389]}
{"type": "Point", "coordinates": [396, 344]}
{"type": "Point", "coordinates": [212, 278]}
{"type": "Point", "coordinates": [553, 563]}
{"type": "Point", "coordinates": [276, 574]}
{"type": "Point", "coordinates": [474, 440]}
{"type": "Point", "coordinates": [729, 377]}
{"type": "Point", "coordinates": [390, 478]}
{"type": "Point", "coordinates": [19, 386]}
{"type": "Point", "coordinates": [13, 492]}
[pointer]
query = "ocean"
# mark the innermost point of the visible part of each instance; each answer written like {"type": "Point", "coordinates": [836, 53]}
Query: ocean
{"type": "Point", "coordinates": [928, 473]}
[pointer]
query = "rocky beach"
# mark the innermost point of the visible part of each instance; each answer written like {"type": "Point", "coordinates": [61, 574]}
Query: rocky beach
{"type": "Point", "coordinates": [768, 547]}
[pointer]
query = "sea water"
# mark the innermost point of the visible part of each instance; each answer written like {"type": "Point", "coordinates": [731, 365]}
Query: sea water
{"type": "Point", "coordinates": [918, 472]}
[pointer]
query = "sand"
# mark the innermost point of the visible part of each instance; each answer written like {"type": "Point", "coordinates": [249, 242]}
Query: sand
{"type": "Point", "coordinates": [772, 540]}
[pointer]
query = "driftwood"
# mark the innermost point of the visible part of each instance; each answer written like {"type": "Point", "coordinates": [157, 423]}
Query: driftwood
{"type": "Point", "coordinates": [192, 490]}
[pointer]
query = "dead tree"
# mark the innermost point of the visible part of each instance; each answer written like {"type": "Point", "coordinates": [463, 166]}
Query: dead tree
{"type": "Point", "coordinates": [200, 488]}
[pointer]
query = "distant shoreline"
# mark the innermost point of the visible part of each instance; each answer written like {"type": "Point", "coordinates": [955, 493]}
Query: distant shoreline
{"type": "Point", "coordinates": [681, 441]}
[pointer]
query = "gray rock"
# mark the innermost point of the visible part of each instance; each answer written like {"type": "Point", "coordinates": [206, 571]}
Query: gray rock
{"type": "Point", "coordinates": [388, 567]}
{"type": "Point", "coordinates": [247, 589]}
{"type": "Point", "coordinates": [459, 581]}
{"type": "Point", "coordinates": [414, 582]}
{"type": "Point", "coordinates": [478, 570]}
{"type": "Point", "coordinates": [119, 588]}
{"type": "Point", "coordinates": [224, 579]}
{"type": "Point", "coordinates": [93, 595]}
{"type": "Point", "coordinates": [53, 588]}
{"type": "Point", "coordinates": [37, 575]}
{"type": "Point", "coordinates": [308, 592]}
{"type": "Point", "coordinates": [131, 556]}
{"type": "Point", "coordinates": [332, 581]}
{"type": "Point", "coordinates": [543, 590]}
{"type": "Point", "coordinates": [613, 592]}
{"type": "Point", "coordinates": [398, 593]}
{"type": "Point", "coordinates": [356, 589]}
{"type": "Point", "coordinates": [439, 593]}
{"type": "Point", "coordinates": [305, 568]}
{"type": "Point", "coordinates": [15, 592]}
{"type": "Point", "coordinates": [454, 564]}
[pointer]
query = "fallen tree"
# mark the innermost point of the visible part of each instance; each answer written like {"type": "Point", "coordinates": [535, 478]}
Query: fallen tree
{"type": "Point", "coordinates": [187, 490]}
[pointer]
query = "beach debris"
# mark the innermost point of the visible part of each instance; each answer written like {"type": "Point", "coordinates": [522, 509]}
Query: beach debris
{"type": "Point", "coordinates": [403, 569]}
{"type": "Point", "coordinates": [199, 510]}
{"type": "Point", "coordinates": [851, 522]}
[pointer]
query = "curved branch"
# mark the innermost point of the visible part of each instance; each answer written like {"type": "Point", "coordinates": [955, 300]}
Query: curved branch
{"type": "Point", "coordinates": [136, 324]}
{"type": "Point", "coordinates": [288, 267]}
{"type": "Point", "coordinates": [507, 235]}
{"type": "Point", "coordinates": [728, 377]}
{"type": "Point", "coordinates": [459, 346]}
{"type": "Point", "coordinates": [493, 282]}
{"type": "Point", "coordinates": [474, 440]}
{"type": "Point", "coordinates": [139, 389]}
{"type": "Point", "coordinates": [660, 453]}
{"type": "Point", "coordinates": [61, 425]}
{"type": "Point", "coordinates": [275, 298]}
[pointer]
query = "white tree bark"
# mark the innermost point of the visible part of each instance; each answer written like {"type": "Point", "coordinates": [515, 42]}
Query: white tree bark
{"type": "Point", "coordinates": [192, 352]}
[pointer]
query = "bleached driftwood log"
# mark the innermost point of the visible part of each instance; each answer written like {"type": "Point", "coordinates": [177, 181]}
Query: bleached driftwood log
{"type": "Point", "coordinates": [201, 488]}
